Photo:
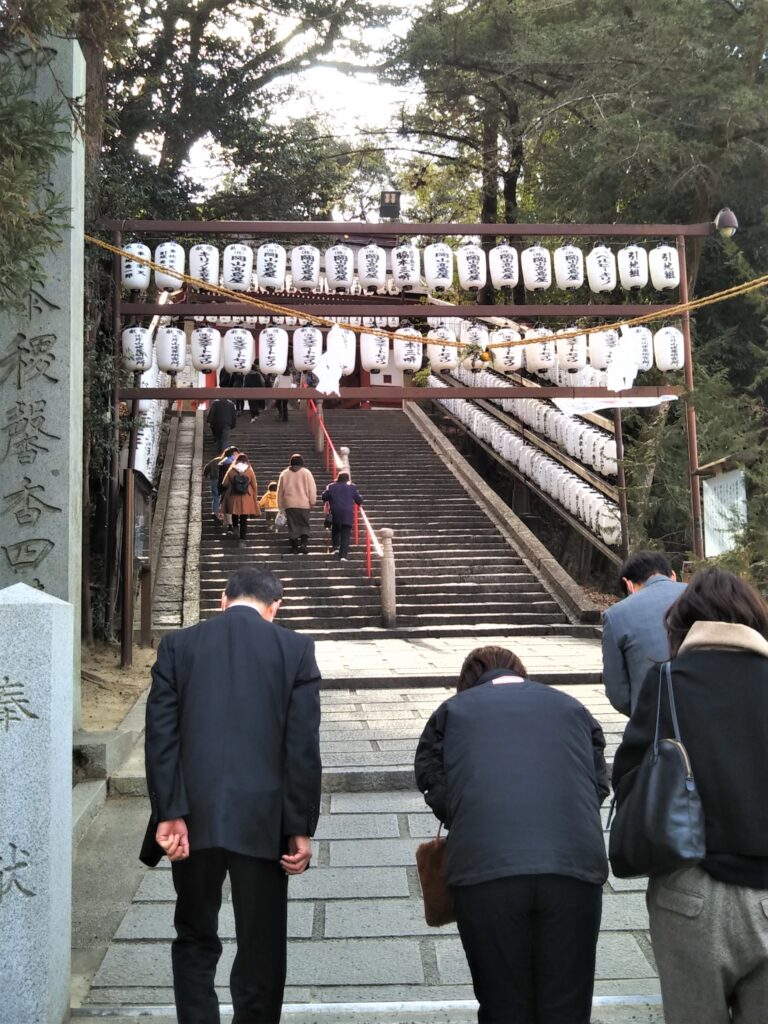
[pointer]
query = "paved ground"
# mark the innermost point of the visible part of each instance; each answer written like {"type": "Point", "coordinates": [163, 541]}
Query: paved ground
{"type": "Point", "coordinates": [357, 934]}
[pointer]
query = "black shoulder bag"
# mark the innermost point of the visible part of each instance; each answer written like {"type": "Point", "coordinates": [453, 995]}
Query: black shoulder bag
{"type": "Point", "coordinates": [659, 822]}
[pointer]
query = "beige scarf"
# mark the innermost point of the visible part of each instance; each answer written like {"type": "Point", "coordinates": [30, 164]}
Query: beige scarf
{"type": "Point", "coordinates": [725, 634]}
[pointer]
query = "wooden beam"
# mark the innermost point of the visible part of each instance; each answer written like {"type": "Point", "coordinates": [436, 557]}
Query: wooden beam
{"type": "Point", "coordinates": [409, 394]}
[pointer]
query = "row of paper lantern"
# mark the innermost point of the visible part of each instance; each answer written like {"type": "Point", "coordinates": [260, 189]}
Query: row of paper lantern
{"type": "Point", "coordinates": [584, 443]}
{"type": "Point", "coordinates": [600, 515]}
{"type": "Point", "coordinates": [236, 351]}
{"type": "Point", "coordinates": [567, 267]}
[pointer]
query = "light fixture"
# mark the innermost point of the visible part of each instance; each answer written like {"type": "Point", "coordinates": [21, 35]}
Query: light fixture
{"type": "Point", "coordinates": [726, 222]}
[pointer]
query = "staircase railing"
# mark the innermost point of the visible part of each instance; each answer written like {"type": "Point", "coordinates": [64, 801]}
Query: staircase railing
{"type": "Point", "coordinates": [383, 548]}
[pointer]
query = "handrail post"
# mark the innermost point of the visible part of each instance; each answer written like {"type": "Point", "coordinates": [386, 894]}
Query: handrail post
{"type": "Point", "coordinates": [388, 587]}
{"type": "Point", "coordinates": [344, 453]}
{"type": "Point", "coordinates": [319, 436]}
{"type": "Point", "coordinates": [357, 526]}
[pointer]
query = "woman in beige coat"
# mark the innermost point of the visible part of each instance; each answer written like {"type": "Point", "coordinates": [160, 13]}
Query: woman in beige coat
{"type": "Point", "coordinates": [296, 495]}
{"type": "Point", "coordinates": [240, 494]}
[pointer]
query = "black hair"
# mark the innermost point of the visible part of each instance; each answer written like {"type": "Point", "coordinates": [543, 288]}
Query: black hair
{"type": "Point", "coordinates": [296, 459]}
{"type": "Point", "coordinates": [272, 485]}
{"type": "Point", "coordinates": [258, 584]}
{"type": "Point", "coordinates": [714, 595]}
{"type": "Point", "coordinates": [343, 477]}
{"type": "Point", "coordinates": [641, 566]}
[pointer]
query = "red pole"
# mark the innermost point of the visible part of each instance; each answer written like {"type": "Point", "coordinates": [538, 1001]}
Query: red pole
{"type": "Point", "coordinates": [357, 527]}
{"type": "Point", "coordinates": [327, 454]}
{"type": "Point", "coordinates": [368, 552]}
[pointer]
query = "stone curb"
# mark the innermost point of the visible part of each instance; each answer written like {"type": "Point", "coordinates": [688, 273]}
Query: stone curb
{"type": "Point", "coordinates": [563, 588]}
{"type": "Point", "coordinates": [163, 491]}
{"type": "Point", "coordinates": [87, 800]}
{"type": "Point", "coordinates": [191, 599]}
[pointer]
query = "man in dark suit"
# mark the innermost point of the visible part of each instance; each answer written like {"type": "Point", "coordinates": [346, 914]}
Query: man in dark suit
{"type": "Point", "coordinates": [233, 772]}
{"type": "Point", "coordinates": [634, 635]}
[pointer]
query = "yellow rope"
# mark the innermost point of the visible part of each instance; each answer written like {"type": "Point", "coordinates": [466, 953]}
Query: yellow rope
{"type": "Point", "coordinates": [271, 307]}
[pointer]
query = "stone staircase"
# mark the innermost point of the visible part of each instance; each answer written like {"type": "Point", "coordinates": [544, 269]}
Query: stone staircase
{"type": "Point", "coordinates": [455, 571]}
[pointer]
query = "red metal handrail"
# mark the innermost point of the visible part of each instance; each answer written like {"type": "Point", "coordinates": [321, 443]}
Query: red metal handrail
{"type": "Point", "coordinates": [371, 540]}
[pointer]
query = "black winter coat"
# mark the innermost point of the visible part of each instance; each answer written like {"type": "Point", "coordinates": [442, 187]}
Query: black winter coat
{"type": "Point", "coordinates": [517, 773]}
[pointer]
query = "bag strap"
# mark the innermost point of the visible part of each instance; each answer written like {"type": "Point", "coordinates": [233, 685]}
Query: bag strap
{"type": "Point", "coordinates": [672, 708]}
{"type": "Point", "coordinates": [439, 830]}
{"type": "Point", "coordinates": [658, 717]}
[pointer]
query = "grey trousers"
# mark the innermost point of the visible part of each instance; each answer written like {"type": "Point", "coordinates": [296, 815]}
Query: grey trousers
{"type": "Point", "coordinates": [710, 941]}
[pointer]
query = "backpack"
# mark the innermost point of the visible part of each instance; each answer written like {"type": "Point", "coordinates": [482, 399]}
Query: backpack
{"type": "Point", "coordinates": [240, 483]}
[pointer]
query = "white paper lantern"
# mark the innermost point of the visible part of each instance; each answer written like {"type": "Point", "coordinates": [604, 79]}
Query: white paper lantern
{"type": "Point", "coordinates": [374, 352]}
{"type": "Point", "coordinates": [601, 269]}
{"type": "Point", "coordinates": [238, 350]}
{"type": "Point", "coordinates": [305, 267]}
{"type": "Point", "coordinates": [307, 348]}
{"type": "Point", "coordinates": [381, 321]}
{"type": "Point", "coordinates": [442, 356]}
{"type": "Point", "coordinates": [171, 345]}
{"type": "Point", "coordinates": [621, 372]}
{"type": "Point", "coordinates": [633, 267]}
{"type": "Point", "coordinates": [664, 265]}
{"type": "Point", "coordinates": [273, 351]}
{"type": "Point", "coordinates": [510, 358]}
{"type": "Point", "coordinates": [172, 256]}
{"type": "Point", "coordinates": [572, 353]}
{"type": "Point", "coordinates": [536, 264]}
{"type": "Point", "coordinates": [603, 346]}
{"type": "Point", "coordinates": [393, 323]}
{"type": "Point", "coordinates": [470, 265]}
{"type": "Point", "coordinates": [407, 353]}
{"type": "Point", "coordinates": [406, 266]}
{"type": "Point", "coordinates": [340, 346]}
{"type": "Point", "coordinates": [669, 349]}
{"type": "Point", "coordinates": [270, 266]}
{"type": "Point", "coordinates": [372, 267]}
{"type": "Point", "coordinates": [438, 266]}
{"type": "Point", "coordinates": [135, 275]}
{"type": "Point", "coordinates": [639, 343]}
{"type": "Point", "coordinates": [475, 335]}
{"type": "Point", "coordinates": [137, 349]}
{"type": "Point", "coordinates": [205, 349]}
{"type": "Point", "coordinates": [503, 265]}
{"type": "Point", "coordinates": [539, 355]}
{"type": "Point", "coordinates": [237, 272]}
{"type": "Point", "coordinates": [339, 268]}
{"type": "Point", "coordinates": [569, 267]}
{"type": "Point", "coordinates": [204, 263]}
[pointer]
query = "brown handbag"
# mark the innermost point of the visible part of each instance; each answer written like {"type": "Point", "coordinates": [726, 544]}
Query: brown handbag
{"type": "Point", "coordinates": [431, 865]}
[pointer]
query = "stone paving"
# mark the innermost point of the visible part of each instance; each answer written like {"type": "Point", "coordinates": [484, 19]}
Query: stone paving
{"type": "Point", "coordinates": [357, 934]}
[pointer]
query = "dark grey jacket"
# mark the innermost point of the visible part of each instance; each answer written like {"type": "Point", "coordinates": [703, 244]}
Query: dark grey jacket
{"type": "Point", "coordinates": [517, 773]}
{"type": "Point", "coordinates": [634, 638]}
{"type": "Point", "coordinates": [232, 738]}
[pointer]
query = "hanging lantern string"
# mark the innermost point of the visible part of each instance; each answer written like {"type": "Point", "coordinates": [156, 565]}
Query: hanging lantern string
{"type": "Point", "coordinates": [323, 321]}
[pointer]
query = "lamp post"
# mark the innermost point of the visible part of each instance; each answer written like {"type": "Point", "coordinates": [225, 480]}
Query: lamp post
{"type": "Point", "coordinates": [726, 222]}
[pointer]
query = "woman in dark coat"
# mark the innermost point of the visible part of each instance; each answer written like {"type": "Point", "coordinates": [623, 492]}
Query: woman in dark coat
{"type": "Point", "coordinates": [516, 771]}
{"type": "Point", "coordinates": [709, 922]}
{"type": "Point", "coordinates": [342, 496]}
{"type": "Point", "coordinates": [240, 494]}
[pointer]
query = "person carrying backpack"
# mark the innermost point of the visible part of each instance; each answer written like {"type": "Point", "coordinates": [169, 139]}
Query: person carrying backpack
{"type": "Point", "coordinates": [240, 494]}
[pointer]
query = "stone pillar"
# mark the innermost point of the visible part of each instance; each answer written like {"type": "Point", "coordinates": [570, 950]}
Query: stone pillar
{"type": "Point", "coordinates": [344, 453]}
{"type": "Point", "coordinates": [41, 374]}
{"type": "Point", "coordinates": [36, 805]}
{"type": "Point", "coordinates": [319, 435]}
{"type": "Point", "coordinates": [388, 585]}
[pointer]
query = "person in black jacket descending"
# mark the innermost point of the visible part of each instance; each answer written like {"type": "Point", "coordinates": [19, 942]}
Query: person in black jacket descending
{"type": "Point", "coordinates": [516, 771]}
